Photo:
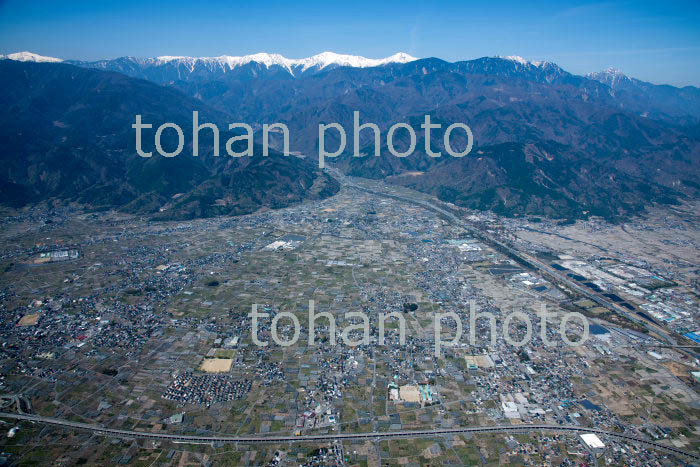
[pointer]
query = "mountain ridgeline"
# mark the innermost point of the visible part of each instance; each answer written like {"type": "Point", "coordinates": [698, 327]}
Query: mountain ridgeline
{"type": "Point", "coordinates": [547, 142]}
{"type": "Point", "coordinates": [67, 136]}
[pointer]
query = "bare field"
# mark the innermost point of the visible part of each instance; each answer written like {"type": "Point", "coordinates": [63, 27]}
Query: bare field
{"type": "Point", "coordinates": [216, 365]}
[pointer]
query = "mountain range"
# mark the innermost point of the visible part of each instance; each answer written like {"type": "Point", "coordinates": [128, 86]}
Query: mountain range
{"type": "Point", "coordinates": [546, 141]}
{"type": "Point", "coordinates": [67, 136]}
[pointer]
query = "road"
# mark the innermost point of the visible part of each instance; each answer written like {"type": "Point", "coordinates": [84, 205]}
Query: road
{"type": "Point", "coordinates": [97, 429]}
{"type": "Point", "coordinates": [522, 258]}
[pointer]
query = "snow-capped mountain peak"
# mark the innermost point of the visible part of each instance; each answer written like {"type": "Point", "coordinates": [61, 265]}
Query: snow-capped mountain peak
{"type": "Point", "coordinates": [229, 62]}
{"type": "Point", "coordinates": [518, 59]}
{"type": "Point", "coordinates": [611, 76]}
{"type": "Point", "coordinates": [612, 71]}
{"type": "Point", "coordinates": [29, 57]}
{"type": "Point", "coordinates": [325, 59]}
{"type": "Point", "coordinates": [524, 61]}
{"type": "Point", "coordinates": [319, 61]}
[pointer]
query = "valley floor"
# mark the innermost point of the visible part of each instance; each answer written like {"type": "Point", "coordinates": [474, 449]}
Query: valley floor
{"type": "Point", "coordinates": [113, 320]}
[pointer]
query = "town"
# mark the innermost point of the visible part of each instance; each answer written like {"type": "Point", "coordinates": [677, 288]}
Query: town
{"type": "Point", "coordinates": [145, 327]}
{"type": "Point", "coordinates": [363, 328]}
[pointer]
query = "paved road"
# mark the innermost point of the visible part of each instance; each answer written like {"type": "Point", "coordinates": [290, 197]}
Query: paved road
{"type": "Point", "coordinates": [97, 429]}
{"type": "Point", "coordinates": [525, 259]}
{"type": "Point", "coordinates": [374, 435]}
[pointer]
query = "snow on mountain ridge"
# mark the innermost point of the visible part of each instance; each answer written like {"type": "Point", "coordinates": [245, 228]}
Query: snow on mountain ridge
{"type": "Point", "coordinates": [614, 71]}
{"type": "Point", "coordinates": [611, 76]}
{"type": "Point", "coordinates": [321, 60]}
{"type": "Point", "coordinates": [29, 57]}
{"type": "Point", "coordinates": [523, 61]}
{"type": "Point", "coordinates": [325, 59]}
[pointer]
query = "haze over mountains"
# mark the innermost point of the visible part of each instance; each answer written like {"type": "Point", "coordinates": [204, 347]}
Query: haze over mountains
{"type": "Point", "coordinates": [546, 141]}
{"type": "Point", "coordinates": [67, 135]}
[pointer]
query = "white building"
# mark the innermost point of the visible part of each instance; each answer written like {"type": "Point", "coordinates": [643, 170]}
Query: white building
{"type": "Point", "coordinates": [592, 442]}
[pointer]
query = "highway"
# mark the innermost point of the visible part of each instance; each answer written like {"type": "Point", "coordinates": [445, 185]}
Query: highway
{"type": "Point", "coordinates": [97, 429]}
{"type": "Point", "coordinates": [524, 259]}
{"type": "Point", "coordinates": [518, 256]}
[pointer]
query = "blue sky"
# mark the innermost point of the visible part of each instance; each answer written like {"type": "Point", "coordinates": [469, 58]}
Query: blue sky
{"type": "Point", "coordinates": [655, 41]}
